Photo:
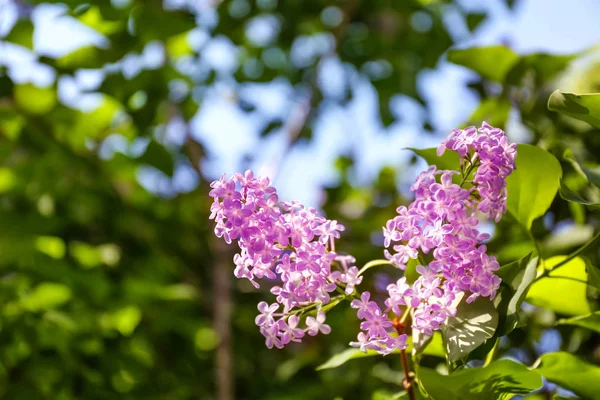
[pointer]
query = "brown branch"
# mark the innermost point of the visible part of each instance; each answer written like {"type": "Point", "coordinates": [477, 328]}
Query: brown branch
{"type": "Point", "coordinates": [407, 382]}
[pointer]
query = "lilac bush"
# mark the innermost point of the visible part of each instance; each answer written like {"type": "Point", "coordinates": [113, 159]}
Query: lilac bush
{"type": "Point", "coordinates": [437, 233]}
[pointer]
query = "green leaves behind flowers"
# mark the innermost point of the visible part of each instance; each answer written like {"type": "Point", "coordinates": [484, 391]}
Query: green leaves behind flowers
{"type": "Point", "coordinates": [564, 289]}
{"type": "Point", "coordinates": [533, 185]}
{"type": "Point", "coordinates": [500, 380]}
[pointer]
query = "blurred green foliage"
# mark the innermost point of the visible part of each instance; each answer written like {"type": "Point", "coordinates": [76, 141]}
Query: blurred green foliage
{"type": "Point", "coordinates": [107, 289]}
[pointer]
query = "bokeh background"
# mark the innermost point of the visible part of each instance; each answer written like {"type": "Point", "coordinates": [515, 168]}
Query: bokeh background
{"type": "Point", "coordinates": [116, 115]}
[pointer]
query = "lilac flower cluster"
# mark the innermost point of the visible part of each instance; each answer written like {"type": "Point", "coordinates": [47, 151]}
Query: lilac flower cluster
{"type": "Point", "coordinates": [442, 221]}
{"type": "Point", "coordinates": [376, 328]}
{"type": "Point", "coordinates": [489, 149]}
{"type": "Point", "coordinates": [281, 240]}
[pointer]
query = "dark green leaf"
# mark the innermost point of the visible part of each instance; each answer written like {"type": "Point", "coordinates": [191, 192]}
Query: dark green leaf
{"type": "Point", "coordinates": [22, 34]}
{"type": "Point", "coordinates": [473, 21]}
{"type": "Point", "coordinates": [159, 157]}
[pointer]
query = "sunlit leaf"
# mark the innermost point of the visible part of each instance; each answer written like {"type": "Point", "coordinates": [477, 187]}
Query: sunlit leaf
{"type": "Point", "coordinates": [491, 62]}
{"type": "Point", "coordinates": [345, 356]}
{"type": "Point", "coordinates": [473, 324]}
{"type": "Point", "coordinates": [531, 188]}
{"type": "Point", "coordinates": [564, 289]}
{"type": "Point", "coordinates": [124, 320]}
{"type": "Point", "coordinates": [35, 100]}
{"type": "Point", "coordinates": [46, 296]}
{"type": "Point", "coordinates": [51, 245]}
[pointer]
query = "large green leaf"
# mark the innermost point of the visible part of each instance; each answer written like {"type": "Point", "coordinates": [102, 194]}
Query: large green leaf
{"type": "Point", "coordinates": [570, 372]}
{"type": "Point", "coordinates": [591, 321]}
{"type": "Point", "coordinates": [473, 324]}
{"type": "Point", "coordinates": [533, 185]}
{"type": "Point", "coordinates": [585, 107]}
{"type": "Point", "coordinates": [564, 289]}
{"type": "Point", "coordinates": [491, 62]}
{"type": "Point", "coordinates": [517, 278]}
{"type": "Point", "coordinates": [499, 380]}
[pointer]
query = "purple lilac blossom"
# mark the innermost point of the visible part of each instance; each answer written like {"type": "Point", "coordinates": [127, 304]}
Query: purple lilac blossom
{"type": "Point", "coordinates": [284, 241]}
{"type": "Point", "coordinates": [442, 221]}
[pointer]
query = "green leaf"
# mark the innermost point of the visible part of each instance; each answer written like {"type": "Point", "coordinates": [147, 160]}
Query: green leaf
{"type": "Point", "coordinates": [159, 157]}
{"type": "Point", "coordinates": [345, 356]}
{"type": "Point", "coordinates": [499, 380]}
{"type": "Point", "coordinates": [22, 34]}
{"type": "Point", "coordinates": [46, 296]}
{"type": "Point", "coordinates": [585, 107]}
{"type": "Point", "coordinates": [531, 188]}
{"type": "Point", "coordinates": [544, 67]}
{"type": "Point", "coordinates": [124, 320]}
{"type": "Point", "coordinates": [474, 19]}
{"type": "Point", "coordinates": [591, 321]}
{"type": "Point", "coordinates": [567, 194]}
{"type": "Point", "coordinates": [448, 160]}
{"type": "Point", "coordinates": [51, 245]}
{"type": "Point", "coordinates": [593, 273]}
{"type": "Point", "coordinates": [473, 324]}
{"type": "Point", "coordinates": [35, 100]}
{"type": "Point", "coordinates": [156, 24]}
{"type": "Point", "coordinates": [433, 348]}
{"type": "Point", "coordinates": [491, 62]}
{"type": "Point", "coordinates": [403, 395]}
{"type": "Point", "coordinates": [493, 110]}
{"type": "Point", "coordinates": [517, 278]}
{"type": "Point", "coordinates": [570, 372]}
{"type": "Point", "coordinates": [564, 290]}
{"type": "Point", "coordinates": [8, 179]}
